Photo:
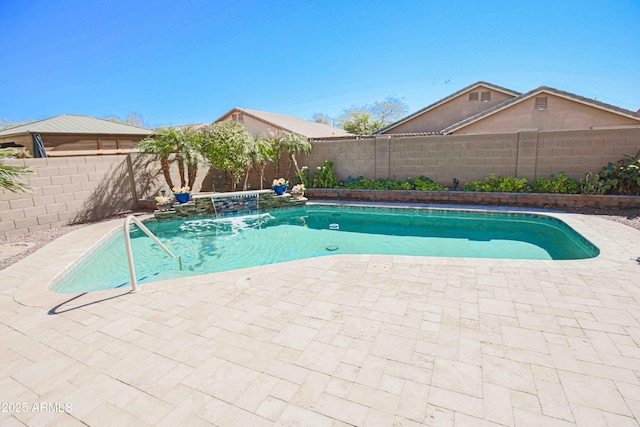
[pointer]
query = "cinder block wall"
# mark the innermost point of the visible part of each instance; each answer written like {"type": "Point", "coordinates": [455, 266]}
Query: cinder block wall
{"type": "Point", "coordinates": [353, 157]}
{"type": "Point", "coordinates": [525, 154]}
{"type": "Point", "coordinates": [576, 152]}
{"type": "Point", "coordinates": [444, 157]}
{"type": "Point", "coordinates": [76, 189]}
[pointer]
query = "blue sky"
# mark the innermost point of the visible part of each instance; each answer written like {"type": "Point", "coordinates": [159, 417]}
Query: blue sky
{"type": "Point", "coordinates": [182, 62]}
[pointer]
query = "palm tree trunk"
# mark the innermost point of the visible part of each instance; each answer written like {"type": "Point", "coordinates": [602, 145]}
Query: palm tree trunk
{"type": "Point", "coordinates": [246, 179]}
{"type": "Point", "coordinates": [289, 164]}
{"type": "Point", "coordinates": [164, 164]}
{"type": "Point", "coordinates": [261, 168]}
{"type": "Point", "coordinates": [277, 165]}
{"type": "Point", "coordinates": [181, 171]}
{"type": "Point", "coordinates": [192, 171]}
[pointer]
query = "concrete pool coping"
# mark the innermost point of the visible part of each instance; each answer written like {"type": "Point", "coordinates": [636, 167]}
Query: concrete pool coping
{"type": "Point", "coordinates": [69, 249]}
{"type": "Point", "coordinates": [332, 341]}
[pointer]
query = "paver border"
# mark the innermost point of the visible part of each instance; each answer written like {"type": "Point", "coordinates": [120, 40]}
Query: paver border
{"type": "Point", "coordinates": [38, 270]}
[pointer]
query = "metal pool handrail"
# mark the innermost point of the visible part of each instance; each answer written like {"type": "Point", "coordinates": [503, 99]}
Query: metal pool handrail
{"type": "Point", "coordinates": [127, 243]}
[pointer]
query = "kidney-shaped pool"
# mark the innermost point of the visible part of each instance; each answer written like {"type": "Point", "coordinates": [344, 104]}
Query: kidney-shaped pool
{"type": "Point", "coordinates": [230, 243]}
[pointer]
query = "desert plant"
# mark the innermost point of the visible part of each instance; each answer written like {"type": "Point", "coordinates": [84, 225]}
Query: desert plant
{"type": "Point", "coordinates": [10, 175]}
{"type": "Point", "coordinates": [262, 152]}
{"type": "Point", "coordinates": [22, 153]}
{"type": "Point", "coordinates": [555, 184]}
{"type": "Point", "coordinates": [293, 144]}
{"type": "Point", "coordinates": [184, 143]}
{"type": "Point", "coordinates": [161, 144]}
{"type": "Point", "coordinates": [506, 184]}
{"type": "Point", "coordinates": [188, 154]}
{"type": "Point", "coordinates": [623, 176]}
{"type": "Point", "coordinates": [593, 184]}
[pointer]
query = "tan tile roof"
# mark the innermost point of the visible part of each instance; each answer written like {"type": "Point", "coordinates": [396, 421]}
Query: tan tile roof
{"type": "Point", "coordinates": [70, 124]}
{"type": "Point", "coordinates": [292, 124]}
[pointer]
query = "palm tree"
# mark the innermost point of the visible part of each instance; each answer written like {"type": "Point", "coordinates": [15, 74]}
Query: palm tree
{"type": "Point", "coordinates": [10, 174]}
{"type": "Point", "coordinates": [294, 144]}
{"type": "Point", "coordinates": [276, 140]}
{"type": "Point", "coordinates": [161, 144]}
{"type": "Point", "coordinates": [262, 153]}
{"type": "Point", "coordinates": [188, 141]}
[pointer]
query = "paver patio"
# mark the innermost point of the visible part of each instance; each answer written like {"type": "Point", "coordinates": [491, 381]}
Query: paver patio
{"type": "Point", "coordinates": [332, 341]}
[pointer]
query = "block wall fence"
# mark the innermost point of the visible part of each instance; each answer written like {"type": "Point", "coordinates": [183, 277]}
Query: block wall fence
{"type": "Point", "coordinates": [526, 154]}
{"type": "Point", "coordinates": [79, 189]}
{"type": "Point", "coordinates": [67, 190]}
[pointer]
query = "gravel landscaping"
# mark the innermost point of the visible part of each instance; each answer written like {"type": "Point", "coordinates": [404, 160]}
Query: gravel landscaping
{"type": "Point", "coordinates": [16, 248]}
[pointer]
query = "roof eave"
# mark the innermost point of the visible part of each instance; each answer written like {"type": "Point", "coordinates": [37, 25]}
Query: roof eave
{"type": "Point", "coordinates": [447, 99]}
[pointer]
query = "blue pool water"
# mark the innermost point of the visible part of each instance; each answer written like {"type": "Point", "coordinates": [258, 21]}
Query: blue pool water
{"type": "Point", "coordinates": [214, 245]}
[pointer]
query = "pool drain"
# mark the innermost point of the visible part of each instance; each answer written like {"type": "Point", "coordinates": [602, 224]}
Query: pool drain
{"type": "Point", "coordinates": [332, 248]}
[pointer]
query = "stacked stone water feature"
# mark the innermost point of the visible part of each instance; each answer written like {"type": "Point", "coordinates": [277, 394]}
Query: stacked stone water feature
{"type": "Point", "coordinates": [229, 204]}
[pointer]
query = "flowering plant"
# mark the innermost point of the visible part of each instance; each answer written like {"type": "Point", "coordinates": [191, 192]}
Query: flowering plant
{"type": "Point", "coordinates": [181, 190]}
{"type": "Point", "coordinates": [279, 182]}
{"type": "Point", "coordinates": [298, 188]}
{"type": "Point", "coordinates": [164, 200]}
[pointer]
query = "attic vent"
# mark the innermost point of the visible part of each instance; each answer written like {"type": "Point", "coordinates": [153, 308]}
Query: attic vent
{"type": "Point", "coordinates": [541, 103]}
{"type": "Point", "coordinates": [473, 96]}
{"type": "Point", "coordinates": [237, 117]}
{"type": "Point", "coordinates": [485, 96]}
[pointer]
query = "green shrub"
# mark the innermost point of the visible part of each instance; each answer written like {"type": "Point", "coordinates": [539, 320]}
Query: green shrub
{"type": "Point", "coordinates": [324, 176]}
{"type": "Point", "coordinates": [555, 184]}
{"type": "Point", "coordinates": [623, 177]}
{"type": "Point", "coordinates": [421, 183]}
{"type": "Point", "coordinates": [503, 184]}
{"type": "Point", "coordinates": [593, 184]}
{"type": "Point", "coordinates": [424, 183]}
{"type": "Point", "coordinates": [362, 183]}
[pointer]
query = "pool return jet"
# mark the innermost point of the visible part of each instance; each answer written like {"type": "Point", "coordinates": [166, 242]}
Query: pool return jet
{"type": "Point", "coordinates": [127, 243]}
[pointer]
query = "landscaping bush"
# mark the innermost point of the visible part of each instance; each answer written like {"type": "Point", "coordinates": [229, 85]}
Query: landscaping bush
{"type": "Point", "coordinates": [555, 184]}
{"type": "Point", "coordinates": [503, 184]}
{"type": "Point", "coordinates": [623, 177]}
{"type": "Point", "coordinates": [421, 183]}
{"type": "Point", "coordinates": [424, 183]}
{"type": "Point", "coordinates": [594, 185]}
{"type": "Point", "coordinates": [362, 183]}
{"type": "Point", "coordinates": [324, 176]}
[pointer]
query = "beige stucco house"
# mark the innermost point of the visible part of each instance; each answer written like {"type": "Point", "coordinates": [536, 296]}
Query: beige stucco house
{"type": "Point", "coordinates": [546, 109]}
{"type": "Point", "coordinates": [263, 123]}
{"type": "Point", "coordinates": [456, 107]}
{"type": "Point", "coordinates": [70, 135]}
{"type": "Point", "coordinates": [484, 108]}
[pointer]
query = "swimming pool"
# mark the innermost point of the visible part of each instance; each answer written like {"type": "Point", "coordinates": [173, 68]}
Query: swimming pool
{"type": "Point", "coordinates": [215, 245]}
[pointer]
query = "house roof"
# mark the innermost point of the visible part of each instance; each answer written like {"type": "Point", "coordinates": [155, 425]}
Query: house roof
{"type": "Point", "coordinates": [292, 124]}
{"type": "Point", "coordinates": [70, 124]}
{"type": "Point", "coordinates": [542, 89]}
{"type": "Point", "coordinates": [447, 99]}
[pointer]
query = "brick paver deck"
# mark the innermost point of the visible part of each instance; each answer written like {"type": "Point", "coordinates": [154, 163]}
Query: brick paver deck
{"type": "Point", "coordinates": [332, 341]}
